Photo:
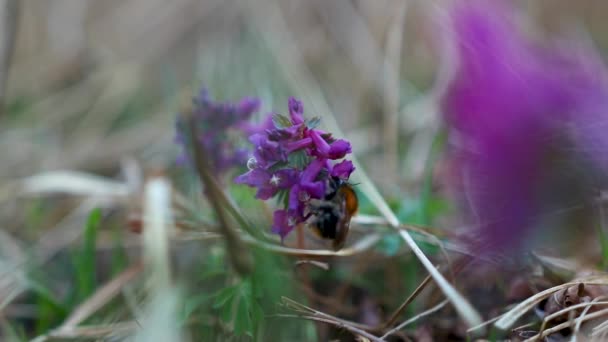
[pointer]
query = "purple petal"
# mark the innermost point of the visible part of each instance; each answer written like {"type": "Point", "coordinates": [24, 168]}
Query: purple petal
{"type": "Point", "coordinates": [322, 147]}
{"type": "Point", "coordinates": [292, 132]}
{"type": "Point", "coordinates": [296, 111]}
{"type": "Point", "coordinates": [343, 169]}
{"type": "Point", "coordinates": [314, 189]}
{"type": "Point", "coordinates": [266, 192]}
{"type": "Point", "coordinates": [295, 206]}
{"type": "Point", "coordinates": [266, 152]}
{"type": "Point", "coordinates": [287, 178]}
{"type": "Point", "coordinates": [298, 145]}
{"type": "Point", "coordinates": [280, 224]}
{"type": "Point", "coordinates": [257, 139]}
{"type": "Point", "coordinates": [252, 128]}
{"type": "Point", "coordinates": [312, 170]}
{"type": "Point", "coordinates": [338, 149]}
{"type": "Point", "coordinates": [182, 159]}
{"type": "Point", "coordinates": [248, 106]}
{"type": "Point", "coordinates": [254, 178]}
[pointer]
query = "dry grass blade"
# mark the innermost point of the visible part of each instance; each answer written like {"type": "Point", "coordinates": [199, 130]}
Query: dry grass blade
{"type": "Point", "coordinates": [600, 329]}
{"type": "Point", "coordinates": [312, 314]}
{"type": "Point", "coordinates": [568, 324]}
{"type": "Point", "coordinates": [319, 264]}
{"type": "Point", "coordinates": [289, 59]}
{"type": "Point", "coordinates": [101, 297]}
{"type": "Point", "coordinates": [568, 310]}
{"type": "Point", "coordinates": [392, 87]}
{"type": "Point", "coordinates": [416, 318]}
{"type": "Point", "coordinates": [160, 321]}
{"type": "Point", "coordinates": [9, 13]}
{"type": "Point", "coordinates": [157, 212]}
{"type": "Point", "coordinates": [483, 324]}
{"type": "Point", "coordinates": [358, 247]}
{"type": "Point", "coordinates": [509, 318]}
{"type": "Point", "coordinates": [577, 327]}
{"type": "Point", "coordinates": [117, 330]}
{"type": "Point", "coordinates": [73, 182]}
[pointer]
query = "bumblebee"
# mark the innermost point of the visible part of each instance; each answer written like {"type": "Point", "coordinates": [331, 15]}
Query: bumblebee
{"type": "Point", "coordinates": [331, 215]}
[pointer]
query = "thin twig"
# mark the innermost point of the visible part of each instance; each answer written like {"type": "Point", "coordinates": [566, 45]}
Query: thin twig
{"type": "Point", "coordinates": [340, 324]}
{"type": "Point", "coordinates": [577, 327]}
{"type": "Point", "coordinates": [510, 317]}
{"type": "Point", "coordinates": [301, 308]}
{"type": "Point", "coordinates": [416, 318]}
{"type": "Point", "coordinates": [567, 324]}
{"type": "Point", "coordinates": [312, 314]}
{"type": "Point", "coordinates": [417, 291]}
{"type": "Point", "coordinates": [319, 264]}
{"type": "Point", "coordinates": [564, 311]}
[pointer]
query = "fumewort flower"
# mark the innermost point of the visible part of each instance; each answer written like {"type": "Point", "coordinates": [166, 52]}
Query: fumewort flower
{"type": "Point", "coordinates": [511, 105]}
{"type": "Point", "coordinates": [294, 162]}
{"type": "Point", "coordinates": [219, 125]}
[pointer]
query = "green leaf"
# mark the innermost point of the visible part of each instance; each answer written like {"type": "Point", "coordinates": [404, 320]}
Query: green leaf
{"type": "Point", "coordinates": [278, 166]}
{"type": "Point", "coordinates": [603, 239]}
{"type": "Point", "coordinates": [85, 260]}
{"type": "Point", "coordinates": [283, 198]}
{"type": "Point", "coordinates": [313, 123]}
{"type": "Point", "coordinates": [391, 244]}
{"type": "Point", "coordinates": [49, 310]}
{"type": "Point", "coordinates": [242, 320]}
{"type": "Point", "coordinates": [45, 295]}
{"type": "Point", "coordinates": [425, 215]}
{"type": "Point", "coordinates": [257, 314]}
{"type": "Point", "coordinates": [223, 296]}
{"type": "Point", "coordinates": [119, 257]}
{"type": "Point", "coordinates": [212, 274]}
{"type": "Point", "coordinates": [281, 121]}
{"type": "Point", "coordinates": [298, 159]}
{"type": "Point", "coordinates": [192, 304]}
{"type": "Point", "coordinates": [226, 314]}
{"type": "Point", "coordinates": [13, 333]}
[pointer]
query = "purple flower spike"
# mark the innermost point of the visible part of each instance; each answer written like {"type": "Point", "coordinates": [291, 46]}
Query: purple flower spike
{"type": "Point", "coordinates": [294, 161]}
{"type": "Point", "coordinates": [214, 124]}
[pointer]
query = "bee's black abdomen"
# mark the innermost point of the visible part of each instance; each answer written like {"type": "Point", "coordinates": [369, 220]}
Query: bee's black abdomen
{"type": "Point", "coordinates": [326, 221]}
{"type": "Point", "coordinates": [327, 225]}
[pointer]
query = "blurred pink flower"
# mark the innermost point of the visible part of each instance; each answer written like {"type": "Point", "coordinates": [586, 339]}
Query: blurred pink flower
{"type": "Point", "coordinates": [505, 108]}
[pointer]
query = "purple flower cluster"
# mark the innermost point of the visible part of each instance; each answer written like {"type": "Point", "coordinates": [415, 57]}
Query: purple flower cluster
{"type": "Point", "coordinates": [508, 102]}
{"type": "Point", "coordinates": [215, 123]}
{"type": "Point", "coordinates": [294, 161]}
